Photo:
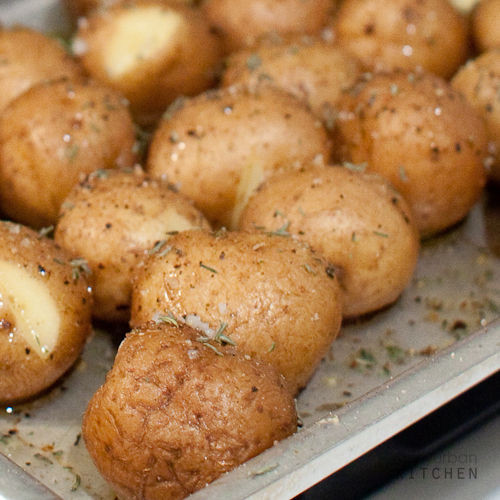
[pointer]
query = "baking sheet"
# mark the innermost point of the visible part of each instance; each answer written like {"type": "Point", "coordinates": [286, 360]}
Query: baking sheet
{"type": "Point", "coordinates": [382, 374]}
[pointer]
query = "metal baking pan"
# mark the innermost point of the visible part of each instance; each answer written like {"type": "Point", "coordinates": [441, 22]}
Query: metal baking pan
{"type": "Point", "coordinates": [381, 375]}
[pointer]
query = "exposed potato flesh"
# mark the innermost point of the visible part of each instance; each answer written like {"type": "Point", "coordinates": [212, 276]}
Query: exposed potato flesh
{"type": "Point", "coordinates": [34, 310]}
{"type": "Point", "coordinates": [138, 36]}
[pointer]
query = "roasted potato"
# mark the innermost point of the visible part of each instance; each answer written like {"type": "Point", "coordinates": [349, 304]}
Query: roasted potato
{"type": "Point", "coordinates": [28, 57]}
{"type": "Point", "coordinates": [405, 34]}
{"type": "Point", "coordinates": [486, 25]}
{"type": "Point", "coordinates": [177, 411]}
{"type": "Point", "coordinates": [52, 135]}
{"type": "Point", "coordinates": [242, 22]}
{"type": "Point", "coordinates": [111, 220]}
{"type": "Point", "coordinates": [45, 305]}
{"type": "Point", "coordinates": [357, 221]}
{"type": "Point", "coordinates": [271, 295]}
{"type": "Point", "coordinates": [479, 81]}
{"type": "Point", "coordinates": [418, 132]}
{"type": "Point", "coordinates": [219, 146]}
{"type": "Point", "coordinates": [151, 51]}
{"type": "Point", "coordinates": [310, 68]}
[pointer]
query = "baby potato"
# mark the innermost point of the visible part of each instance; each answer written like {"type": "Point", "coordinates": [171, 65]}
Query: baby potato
{"type": "Point", "coordinates": [357, 221]}
{"type": "Point", "coordinates": [45, 306]}
{"type": "Point", "coordinates": [270, 295]}
{"type": "Point", "coordinates": [219, 146]}
{"type": "Point", "coordinates": [177, 411]}
{"type": "Point", "coordinates": [152, 51]}
{"type": "Point", "coordinates": [242, 22]}
{"type": "Point", "coordinates": [28, 57]}
{"type": "Point", "coordinates": [111, 220]}
{"type": "Point", "coordinates": [50, 137]}
{"type": "Point", "coordinates": [486, 25]}
{"type": "Point", "coordinates": [311, 69]}
{"type": "Point", "coordinates": [423, 136]}
{"type": "Point", "coordinates": [81, 8]}
{"type": "Point", "coordinates": [479, 81]}
{"type": "Point", "coordinates": [404, 34]}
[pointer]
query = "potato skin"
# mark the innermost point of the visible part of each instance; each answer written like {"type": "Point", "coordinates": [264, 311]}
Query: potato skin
{"type": "Point", "coordinates": [402, 34]}
{"type": "Point", "coordinates": [187, 64]}
{"type": "Point", "coordinates": [310, 68]}
{"type": "Point", "coordinates": [357, 221]}
{"type": "Point", "coordinates": [173, 415]}
{"type": "Point", "coordinates": [112, 219]}
{"type": "Point", "coordinates": [418, 132]}
{"type": "Point", "coordinates": [272, 292]}
{"type": "Point", "coordinates": [241, 22]}
{"type": "Point", "coordinates": [24, 373]}
{"type": "Point", "coordinates": [28, 57]}
{"type": "Point", "coordinates": [50, 137]}
{"type": "Point", "coordinates": [486, 25]}
{"type": "Point", "coordinates": [479, 81]}
{"type": "Point", "coordinates": [204, 144]}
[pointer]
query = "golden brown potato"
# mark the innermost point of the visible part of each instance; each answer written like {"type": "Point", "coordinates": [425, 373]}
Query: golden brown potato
{"type": "Point", "coordinates": [50, 137]}
{"type": "Point", "coordinates": [479, 81]}
{"type": "Point", "coordinates": [177, 411]}
{"type": "Point", "coordinates": [241, 22]}
{"type": "Point", "coordinates": [151, 51]}
{"type": "Point", "coordinates": [357, 221]}
{"type": "Point", "coordinates": [28, 57]}
{"type": "Point", "coordinates": [423, 136]}
{"type": "Point", "coordinates": [114, 218]}
{"type": "Point", "coordinates": [407, 34]}
{"type": "Point", "coordinates": [82, 8]}
{"type": "Point", "coordinates": [219, 146]}
{"type": "Point", "coordinates": [45, 305]}
{"type": "Point", "coordinates": [271, 295]}
{"type": "Point", "coordinates": [486, 25]}
{"type": "Point", "coordinates": [311, 69]}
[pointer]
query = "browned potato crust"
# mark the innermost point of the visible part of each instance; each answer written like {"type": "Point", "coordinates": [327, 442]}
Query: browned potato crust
{"type": "Point", "coordinates": [218, 146]}
{"type": "Point", "coordinates": [45, 306]}
{"type": "Point", "coordinates": [357, 221]}
{"type": "Point", "coordinates": [423, 136]}
{"type": "Point", "coordinates": [174, 415]}
{"type": "Point", "coordinates": [151, 51]}
{"type": "Point", "coordinates": [311, 69]}
{"type": "Point", "coordinates": [479, 81]}
{"type": "Point", "coordinates": [486, 24]}
{"type": "Point", "coordinates": [28, 57]}
{"type": "Point", "coordinates": [112, 220]}
{"type": "Point", "coordinates": [50, 137]}
{"type": "Point", "coordinates": [407, 34]}
{"type": "Point", "coordinates": [241, 22]}
{"type": "Point", "coordinates": [275, 298]}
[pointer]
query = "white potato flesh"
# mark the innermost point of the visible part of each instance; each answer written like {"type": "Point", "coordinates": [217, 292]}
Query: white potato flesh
{"type": "Point", "coordinates": [34, 311]}
{"type": "Point", "coordinates": [139, 35]}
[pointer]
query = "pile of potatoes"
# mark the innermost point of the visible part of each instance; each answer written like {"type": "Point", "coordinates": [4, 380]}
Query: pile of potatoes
{"type": "Point", "coordinates": [231, 179]}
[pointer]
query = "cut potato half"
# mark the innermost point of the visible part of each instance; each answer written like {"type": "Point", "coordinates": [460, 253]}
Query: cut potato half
{"type": "Point", "coordinates": [32, 307]}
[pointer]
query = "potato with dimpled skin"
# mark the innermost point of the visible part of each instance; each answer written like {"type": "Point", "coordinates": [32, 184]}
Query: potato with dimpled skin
{"type": "Point", "coordinates": [241, 22]}
{"type": "Point", "coordinates": [28, 57]}
{"type": "Point", "coordinates": [219, 146]}
{"type": "Point", "coordinates": [112, 220]}
{"type": "Point", "coordinates": [356, 221]}
{"type": "Point", "coordinates": [176, 412]}
{"type": "Point", "coordinates": [45, 305]}
{"type": "Point", "coordinates": [479, 81]}
{"type": "Point", "coordinates": [53, 135]}
{"type": "Point", "coordinates": [486, 25]}
{"type": "Point", "coordinates": [151, 51]}
{"type": "Point", "coordinates": [271, 295]}
{"type": "Point", "coordinates": [422, 135]}
{"type": "Point", "coordinates": [313, 70]}
{"type": "Point", "coordinates": [404, 34]}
